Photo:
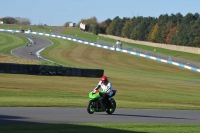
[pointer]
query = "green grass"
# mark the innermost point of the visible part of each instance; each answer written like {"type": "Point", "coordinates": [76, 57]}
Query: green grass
{"type": "Point", "coordinates": [9, 42]}
{"type": "Point", "coordinates": [132, 93]}
{"type": "Point", "coordinates": [99, 128]}
{"type": "Point", "coordinates": [46, 29]}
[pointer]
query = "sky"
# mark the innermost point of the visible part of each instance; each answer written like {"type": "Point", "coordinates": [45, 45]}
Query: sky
{"type": "Point", "coordinates": [58, 12]}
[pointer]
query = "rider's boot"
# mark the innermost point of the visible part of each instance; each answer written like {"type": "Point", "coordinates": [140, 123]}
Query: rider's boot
{"type": "Point", "coordinates": [109, 103]}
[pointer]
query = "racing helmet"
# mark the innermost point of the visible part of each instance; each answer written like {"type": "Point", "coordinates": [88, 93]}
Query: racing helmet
{"type": "Point", "coordinates": [104, 80]}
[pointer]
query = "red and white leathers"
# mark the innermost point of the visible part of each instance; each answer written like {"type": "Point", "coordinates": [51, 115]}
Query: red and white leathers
{"type": "Point", "coordinates": [107, 88]}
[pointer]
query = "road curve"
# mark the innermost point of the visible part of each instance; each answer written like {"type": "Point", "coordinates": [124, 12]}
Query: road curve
{"type": "Point", "coordinates": [24, 51]}
{"type": "Point", "coordinates": [56, 115]}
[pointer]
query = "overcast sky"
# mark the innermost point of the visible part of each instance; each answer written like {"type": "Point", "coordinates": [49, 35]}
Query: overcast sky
{"type": "Point", "coordinates": [57, 12]}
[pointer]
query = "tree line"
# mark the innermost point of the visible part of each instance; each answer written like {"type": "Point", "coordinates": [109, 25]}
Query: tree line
{"type": "Point", "coordinates": [173, 29]}
{"type": "Point", "coordinates": [17, 20]}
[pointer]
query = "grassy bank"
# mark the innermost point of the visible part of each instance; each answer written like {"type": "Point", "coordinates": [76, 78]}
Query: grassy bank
{"type": "Point", "coordinates": [99, 128]}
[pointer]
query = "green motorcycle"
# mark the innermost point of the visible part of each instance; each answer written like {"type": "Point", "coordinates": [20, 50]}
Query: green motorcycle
{"type": "Point", "coordinates": [96, 103]}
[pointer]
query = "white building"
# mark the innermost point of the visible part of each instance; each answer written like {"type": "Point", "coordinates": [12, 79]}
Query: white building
{"type": "Point", "coordinates": [72, 24]}
{"type": "Point", "coordinates": [82, 26]}
{"type": "Point", "coordinates": [1, 22]}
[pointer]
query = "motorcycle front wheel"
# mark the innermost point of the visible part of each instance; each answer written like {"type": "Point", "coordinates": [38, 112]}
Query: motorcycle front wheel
{"type": "Point", "coordinates": [90, 107]}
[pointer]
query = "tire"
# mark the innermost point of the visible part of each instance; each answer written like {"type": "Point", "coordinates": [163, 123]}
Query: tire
{"type": "Point", "coordinates": [90, 107]}
{"type": "Point", "coordinates": [111, 110]}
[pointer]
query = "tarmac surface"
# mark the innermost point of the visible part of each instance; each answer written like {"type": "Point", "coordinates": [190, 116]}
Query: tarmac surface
{"type": "Point", "coordinates": [56, 115]}
{"type": "Point", "coordinates": [29, 51]}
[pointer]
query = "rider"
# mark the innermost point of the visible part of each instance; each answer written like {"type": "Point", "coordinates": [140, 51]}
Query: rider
{"type": "Point", "coordinates": [106, 86]}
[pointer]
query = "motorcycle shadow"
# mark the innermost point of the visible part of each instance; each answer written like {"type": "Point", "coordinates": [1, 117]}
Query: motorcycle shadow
{"type": "Point", "coordinates": [146, 116]}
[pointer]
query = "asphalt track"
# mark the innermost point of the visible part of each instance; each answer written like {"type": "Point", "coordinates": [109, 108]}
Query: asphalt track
{"type": "Point", "coordinates": [56, 115]}
{"type": "Point", "coordinates": [24, 51]}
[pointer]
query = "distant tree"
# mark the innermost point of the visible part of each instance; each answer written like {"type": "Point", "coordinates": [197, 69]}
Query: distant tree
{"type": "Point", "coordinates": [171, 32]}
{"type": "Point", "coordinates": [113, 28]}
{"type": "Point", "coordinates": [161, 33]}
{"type": "Point", "coordinates": [23, 21]}
{"type": "Point", "coordinates": [143, 30]}
{"type": "Point", "coordinates": [174, 39]}
{"type": "Point", "coordinates": [195, 33]}
{"type": "Point", "coordinates": [90, 24]}
{"type": "Point", "coordinates": [152, 34]}
{"type": "Point", "coordinates": [151, 21]}
{"type": "Point", "coordinates": [179, 17]}
{"type": "Point", "coordinates": [184, 30]}
{"type": "Point", "coordinates": [95, 29]}
{"type": "Point", "coordinates": [102, 27]}
{"type": "Point", "coordinates": [40, 25]}
{"type": "Point", "coordinates": [9, 20]}
{"type": "Point", "coordinates": [176, 20]}
{"type": "Point", "coordinates": [120, 26]}
{"type": "Point", "coordinates": [90, 21]}
{"type": "Point", "coordinates": [126, 31]}
{"type": "Point", "coordinates": [135, 27]}
{"type": "Point", "coordinates": [107, 22]}
{"type": "Point", "coordinates": [134, 33]}
{"type": "Point", "coordinates": [171, 29]}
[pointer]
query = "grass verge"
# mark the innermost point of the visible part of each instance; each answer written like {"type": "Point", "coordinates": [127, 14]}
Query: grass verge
{"type": "Point", "coordinates": [99, 128]}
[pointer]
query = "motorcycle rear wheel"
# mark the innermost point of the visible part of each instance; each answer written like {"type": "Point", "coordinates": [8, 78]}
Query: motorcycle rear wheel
{"type": "Point", "coordinates": [111, 110]}
{"type": "Point", "coordinates": [90, 107]}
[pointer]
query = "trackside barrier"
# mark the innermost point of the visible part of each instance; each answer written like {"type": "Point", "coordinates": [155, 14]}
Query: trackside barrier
{"type": "Point", "coordinates": [111, 48]}
{"type": "Point", "coordinates": [49, 70]}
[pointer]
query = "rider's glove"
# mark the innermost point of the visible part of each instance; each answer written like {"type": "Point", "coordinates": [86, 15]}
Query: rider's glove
{"type": "Point", "coordinates": [95, 91]}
